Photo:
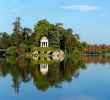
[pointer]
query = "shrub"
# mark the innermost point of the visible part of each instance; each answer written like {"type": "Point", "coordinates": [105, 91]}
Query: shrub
{"type": "Point", "coordinates": [23, 48]}
{"type": "Point", "coordinates": [11, 51]}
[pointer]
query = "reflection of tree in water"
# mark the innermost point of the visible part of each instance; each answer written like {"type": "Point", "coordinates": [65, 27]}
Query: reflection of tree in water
{"type": "Point", "coordinates": [22, 70]}
{"type": "Point", "coordinates": [58, 72]}
{"type": "Point", "coordinates": [16, 69]}
{"type": "Point", "coordinates": [97, 59]}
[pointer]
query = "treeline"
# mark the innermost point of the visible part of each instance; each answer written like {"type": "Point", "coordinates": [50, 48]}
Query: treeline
{"type": "Point", "coordinates": [22, 39]}
{"type": "Point", "coordinates": [95, 59]}
{"type": "Point", "coordinates": [97, 49]}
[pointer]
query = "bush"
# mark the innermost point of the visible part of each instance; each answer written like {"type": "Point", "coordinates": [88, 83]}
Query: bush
{"type": "Point", "coordinates": [23, 48]}
{"type": "Point", "coordinates": [14, 51]}
{"type": "Point", "coordinates": [11, 51]}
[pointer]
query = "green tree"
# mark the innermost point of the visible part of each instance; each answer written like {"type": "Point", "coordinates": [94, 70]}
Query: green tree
{"type": "Point", "coordinates": [17, 26]}
{"type": "Point", "coordinates": [41, 29]}
{"type": "Point", "coordinates": [16, 37]}
{"type": "Point", "coordinates": [26, 33]}
{"type": "Point", "coordinates": [5, 40]}
{"type": "Point", "coordinates": [54, 36]}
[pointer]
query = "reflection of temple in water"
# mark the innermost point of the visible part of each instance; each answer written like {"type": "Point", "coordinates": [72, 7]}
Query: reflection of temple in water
{"type": "Point", "coordinates": [44, 73]}
{"type": "Point", "coordinates": [43, 69]}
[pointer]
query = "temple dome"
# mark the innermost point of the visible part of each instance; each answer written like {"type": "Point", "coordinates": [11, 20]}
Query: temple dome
{"type": "Point", "coordinates": [44, 38]}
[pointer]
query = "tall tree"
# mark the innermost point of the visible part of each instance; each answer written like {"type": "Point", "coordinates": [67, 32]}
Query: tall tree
{"type": "Point", "coordinates": [16, 36]}
{"type": "Point", "coordinates": [17, 26]}
{"type": "Point", "coordinates": [26, 33]}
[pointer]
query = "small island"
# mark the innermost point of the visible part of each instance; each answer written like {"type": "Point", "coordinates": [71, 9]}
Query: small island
{"type": "Point", "coordinates": [44, 40]}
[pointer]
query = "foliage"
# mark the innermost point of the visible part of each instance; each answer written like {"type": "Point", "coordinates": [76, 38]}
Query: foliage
{"type": "Point", "coordinates": [41, 49]}
{"type": "Point", "coordinates": [16, 39]}
{"type": "Point", "coordinates": [23, 48]}
{"type": "Point", "coordinates": [97, 49]}
{"type": "Point", "coordinates": [17, 26]}
{"type": "Point", "coordinates": [58, 36]}
{"type": "Point", "coordinates": [26, 33]}
{"type": "Point", "coordinates": [11, 51]}
{"type": "Point", "coordinates": [5, 40]}
{"type": "Point", "coordinates": [22, 70]}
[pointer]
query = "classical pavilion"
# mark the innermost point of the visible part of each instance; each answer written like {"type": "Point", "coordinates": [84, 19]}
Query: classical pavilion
{"type": "Point", "coordinates": [44, 42]}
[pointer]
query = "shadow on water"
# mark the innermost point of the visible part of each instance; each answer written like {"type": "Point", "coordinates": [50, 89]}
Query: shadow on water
{"type": "Point", "coordinates": [45, 73]}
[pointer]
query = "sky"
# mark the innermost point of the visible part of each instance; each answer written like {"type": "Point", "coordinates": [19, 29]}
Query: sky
{"type": "Point", "coordinates": [88, 18]}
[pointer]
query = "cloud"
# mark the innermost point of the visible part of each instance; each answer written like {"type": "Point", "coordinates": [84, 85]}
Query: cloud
{"type": "Point", "coordinates": [81, 7]}
{"type": "Point", "coordinates": [16, 10]}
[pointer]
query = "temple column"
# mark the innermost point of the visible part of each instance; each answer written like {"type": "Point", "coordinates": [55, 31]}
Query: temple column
{"type": "Point", "coordinates": [41, 44]}
{"type": "Point", "coordinates": [46, 44]}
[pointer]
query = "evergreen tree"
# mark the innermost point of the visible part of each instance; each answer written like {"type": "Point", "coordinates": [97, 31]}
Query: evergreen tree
{"type": "Point", "coordinates": [17, 26]}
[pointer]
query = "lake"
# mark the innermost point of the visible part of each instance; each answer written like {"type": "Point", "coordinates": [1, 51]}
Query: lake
{"type": "Point", "coordinates": [75, 78]}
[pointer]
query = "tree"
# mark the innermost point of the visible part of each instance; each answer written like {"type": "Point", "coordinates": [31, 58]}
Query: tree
{"type": "Point", "coordinates": [17, 26]}
{"type": "Point", "coordinates": [54, 39]}
{"type": "Point", "coordinates": [58, 36]}
{"type": "Point", "coordinates": [54, 36]}
{"type": "Point", "coordinates": [41, 29]}
{"type": "Point", "coordinates": [26, 32]}
{"type": "Point", "coordinates": [5, 40]}
{"type": "Point", "coordinates": [16, 37]}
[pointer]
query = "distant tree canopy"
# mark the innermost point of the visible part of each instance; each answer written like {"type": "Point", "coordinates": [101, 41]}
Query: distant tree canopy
{"type": "Point", "coordinates": [93, 49]}
{"type": "Point", "coordinates": [58, 36]}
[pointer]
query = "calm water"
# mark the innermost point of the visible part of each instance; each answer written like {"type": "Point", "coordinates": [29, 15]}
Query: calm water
{"type": "Point", "coordinates": [76, 78]}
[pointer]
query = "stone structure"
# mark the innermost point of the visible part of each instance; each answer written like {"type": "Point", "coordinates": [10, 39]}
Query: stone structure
{"type": "Point", "coordinates": [44, 42]}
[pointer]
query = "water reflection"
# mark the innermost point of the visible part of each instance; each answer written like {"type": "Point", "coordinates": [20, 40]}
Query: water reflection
{"type": "Point", "coordinates": [97, 59]}
{"type": "Point", "coordinates": [43, 69]}
{"type": "Point", "coordinates": [45, 73]}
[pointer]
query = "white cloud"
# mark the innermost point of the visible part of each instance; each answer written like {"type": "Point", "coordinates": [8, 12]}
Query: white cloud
{"type": "Point", "coordinates": [81, 7]}
{"type": "Point", "coordinates": [16, 10]}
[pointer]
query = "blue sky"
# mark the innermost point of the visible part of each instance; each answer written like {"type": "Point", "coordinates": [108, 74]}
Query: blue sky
{"type": "Point", "coordinates": [89, 18]}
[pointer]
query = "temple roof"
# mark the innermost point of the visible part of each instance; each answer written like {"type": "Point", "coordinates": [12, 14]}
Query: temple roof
{"type": "Point", "coordinates": [44, 38]}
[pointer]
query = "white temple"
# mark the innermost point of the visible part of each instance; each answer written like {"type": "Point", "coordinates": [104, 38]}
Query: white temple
{"type": "Point", "coordinates": [44, 42]}
{"type": "Point", "coordinates": [43, 69]}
